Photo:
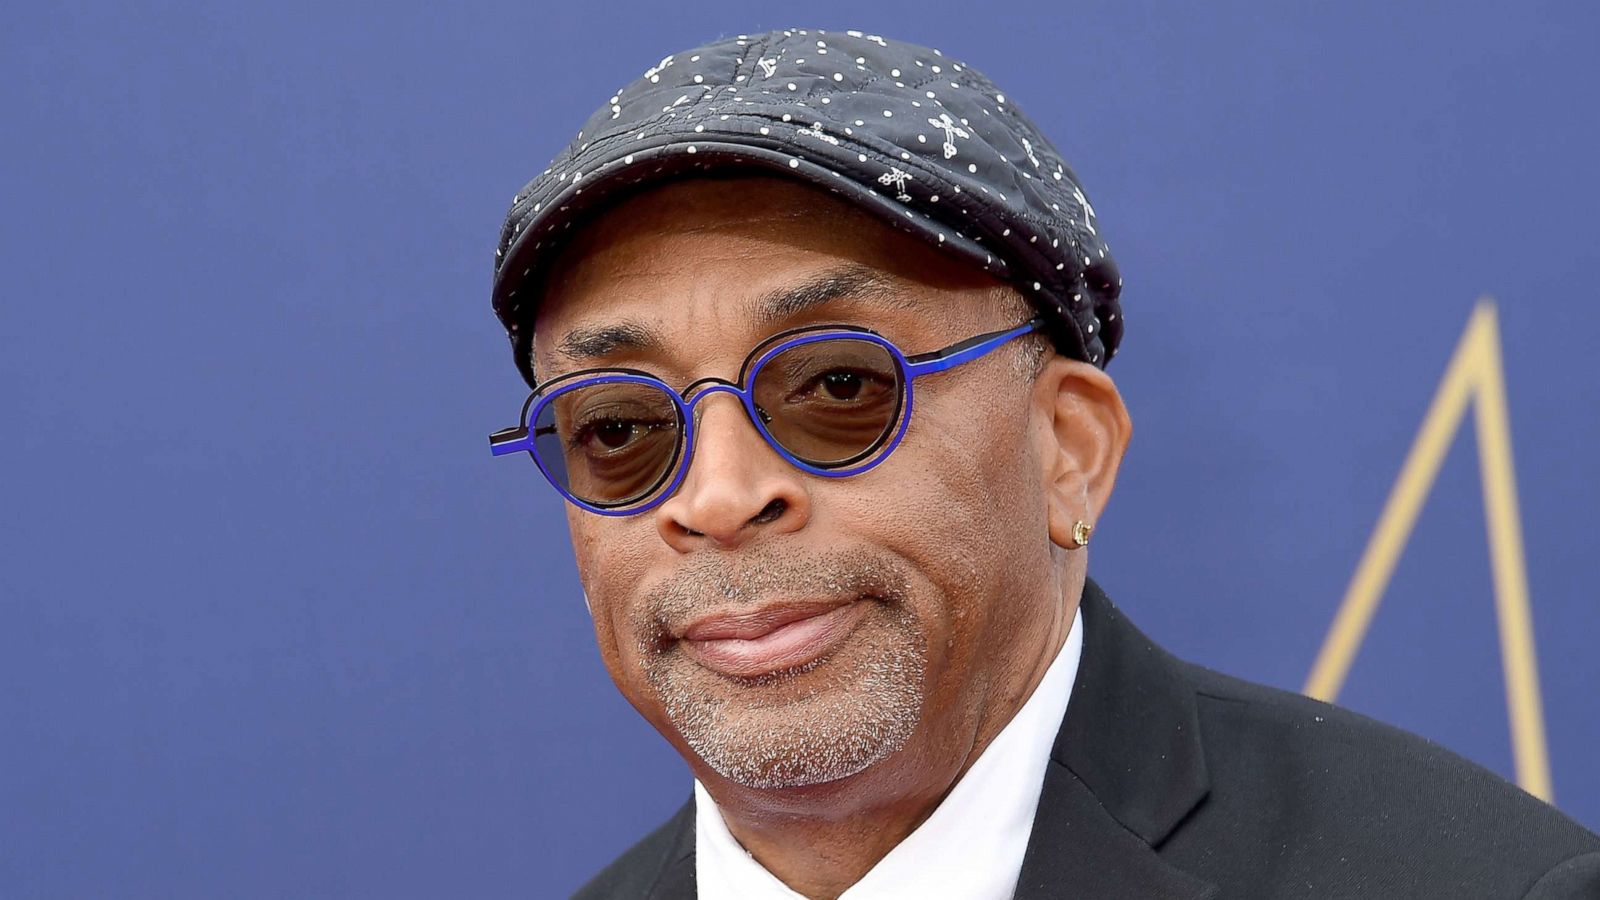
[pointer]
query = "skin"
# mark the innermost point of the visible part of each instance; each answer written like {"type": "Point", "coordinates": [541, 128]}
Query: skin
{"type": "Point", "coordinates": [981, 602]}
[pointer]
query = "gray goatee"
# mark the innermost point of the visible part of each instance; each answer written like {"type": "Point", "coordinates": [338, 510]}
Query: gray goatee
{"type": "Point", "coordinates": [762, 732]}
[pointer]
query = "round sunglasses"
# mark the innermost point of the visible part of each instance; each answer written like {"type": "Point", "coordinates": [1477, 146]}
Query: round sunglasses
{"type": "Point", "coordinates": [833, 400]}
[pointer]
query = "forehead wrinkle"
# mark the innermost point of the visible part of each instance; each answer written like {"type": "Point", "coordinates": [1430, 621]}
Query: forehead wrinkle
{"type": "Point", "coordinates": [854, 281]}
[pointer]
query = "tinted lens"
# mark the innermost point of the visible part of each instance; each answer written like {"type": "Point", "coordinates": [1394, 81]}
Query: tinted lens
{"type": "Point", "coordinates": [609, 443]}
{"type": "Point", "coordinates": [830, 402]}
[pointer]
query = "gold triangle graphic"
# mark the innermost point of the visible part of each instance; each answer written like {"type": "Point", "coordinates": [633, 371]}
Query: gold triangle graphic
{"type": "Point", "coordinates": [1474, 373]}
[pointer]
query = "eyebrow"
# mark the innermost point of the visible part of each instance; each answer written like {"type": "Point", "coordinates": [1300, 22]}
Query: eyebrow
{"type": "Point", "coordinates": [849, 281]}
{"type": "Point", "coordinates": [588, 343]}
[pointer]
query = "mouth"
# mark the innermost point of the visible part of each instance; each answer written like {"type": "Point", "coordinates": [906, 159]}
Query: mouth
{"type": "Point", "coordinates": [775, 638]}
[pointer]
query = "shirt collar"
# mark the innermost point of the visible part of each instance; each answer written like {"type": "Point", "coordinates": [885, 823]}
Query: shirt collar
{"type": "Point", "coordinates": [945, 856]}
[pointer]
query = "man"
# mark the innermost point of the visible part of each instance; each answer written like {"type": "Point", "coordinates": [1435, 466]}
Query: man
{"type": "Point", "coordinates": [817, 325]}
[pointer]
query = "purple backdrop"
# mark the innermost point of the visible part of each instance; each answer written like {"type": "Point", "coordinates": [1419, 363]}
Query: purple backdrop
{"type": "Point", "coordinates": [272, 621]}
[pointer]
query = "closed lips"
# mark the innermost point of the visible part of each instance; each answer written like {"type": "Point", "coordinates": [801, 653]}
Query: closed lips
{"type": "Point", "coordinates": [758, 642]}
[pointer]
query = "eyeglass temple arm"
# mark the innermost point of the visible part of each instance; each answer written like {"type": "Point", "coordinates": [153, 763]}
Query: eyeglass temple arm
{"type": "Point", "coordinates": [967, 350]}
{"type": "Point", "coordinates": [514, 440]}
{"type": "Point", "coordinates": [509, 440]}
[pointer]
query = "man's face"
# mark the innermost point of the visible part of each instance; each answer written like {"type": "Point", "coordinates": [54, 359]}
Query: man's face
{"type": "Point", "coordinates": [780, 628]}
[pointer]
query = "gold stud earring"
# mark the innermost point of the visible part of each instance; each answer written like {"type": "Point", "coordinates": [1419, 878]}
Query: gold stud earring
{"type": "Point", "coordinates": [1080, 532]}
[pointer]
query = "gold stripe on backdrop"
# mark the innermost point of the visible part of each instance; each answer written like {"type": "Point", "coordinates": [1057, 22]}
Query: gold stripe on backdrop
{"type": "Point", "coordinates": [1474, 372]}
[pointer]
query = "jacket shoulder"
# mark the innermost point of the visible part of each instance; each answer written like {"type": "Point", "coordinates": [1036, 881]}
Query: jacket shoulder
{"type": "Point", "coordinates": [1313, 780]}
{"type": "Point", "coordinates": [638, 870]}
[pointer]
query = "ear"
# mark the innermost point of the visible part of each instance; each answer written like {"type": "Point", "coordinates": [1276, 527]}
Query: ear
{"type": "Point", "coordinates": [1083, 429]}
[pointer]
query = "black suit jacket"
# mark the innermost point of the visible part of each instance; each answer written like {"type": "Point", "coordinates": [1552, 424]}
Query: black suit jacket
{"type": "Point", "coordinates": [1170, 781]}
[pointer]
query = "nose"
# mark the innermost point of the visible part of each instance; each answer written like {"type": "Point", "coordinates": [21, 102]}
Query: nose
{"type": "Point", "coordinates": [737, 487]}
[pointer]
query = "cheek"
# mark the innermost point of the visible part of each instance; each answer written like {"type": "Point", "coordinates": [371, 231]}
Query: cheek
{"type": "Point", "coordinates": [612, 557]}
{"type": "Point", "coordinates": [974, 476]}
{"type": "Point", "coordinates": [961, 500]}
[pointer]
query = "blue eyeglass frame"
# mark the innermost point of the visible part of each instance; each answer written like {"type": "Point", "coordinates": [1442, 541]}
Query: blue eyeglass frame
{"type": "Point", "coordinates": [519, 438]}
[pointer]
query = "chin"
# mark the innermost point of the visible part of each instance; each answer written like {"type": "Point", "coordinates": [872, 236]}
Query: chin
{"type": "Point", "coordinates": [820, 722]}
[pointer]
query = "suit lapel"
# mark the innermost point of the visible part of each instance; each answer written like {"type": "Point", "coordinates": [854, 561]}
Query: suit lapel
{"type": "Point", "coordinates": [1126, 768]}
{"type": "Point", "coordinates": [1078, 850]}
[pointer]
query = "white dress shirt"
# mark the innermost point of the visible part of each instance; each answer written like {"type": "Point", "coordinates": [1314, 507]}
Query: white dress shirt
{"type": "Point", "coordinates": [970, 847]}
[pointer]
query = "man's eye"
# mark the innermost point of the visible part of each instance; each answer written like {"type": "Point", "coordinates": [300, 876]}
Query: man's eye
{"type": "Point", "coordinates": [845, 386]}
{"type": "Point", "coordinates": [610, 434]}
{"type": "Point", "coordinates": [842, 385]}
{"type": "Point", "coordinates": [614, 434]}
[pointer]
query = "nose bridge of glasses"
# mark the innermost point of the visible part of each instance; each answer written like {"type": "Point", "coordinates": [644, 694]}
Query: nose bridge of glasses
{"type": "Point", "coordinates": [706, 387]}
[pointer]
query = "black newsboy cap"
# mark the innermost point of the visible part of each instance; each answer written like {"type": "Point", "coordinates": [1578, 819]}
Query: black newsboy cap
{"type": "Point", "coordinates": [926, 143]}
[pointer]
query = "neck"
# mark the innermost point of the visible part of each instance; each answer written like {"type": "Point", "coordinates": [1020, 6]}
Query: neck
{"type": "Point", "coordinates": [820, 840]}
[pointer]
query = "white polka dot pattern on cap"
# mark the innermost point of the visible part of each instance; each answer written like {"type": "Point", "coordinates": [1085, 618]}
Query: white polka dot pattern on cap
{"type": "Point", "coordinates": [927, 144]}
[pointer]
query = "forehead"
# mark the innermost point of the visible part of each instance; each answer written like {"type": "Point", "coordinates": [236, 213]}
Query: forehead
{"type": "Point", "coordinates": [709, 249]}
{"type": "Point", "coordinates": [747, 216]}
